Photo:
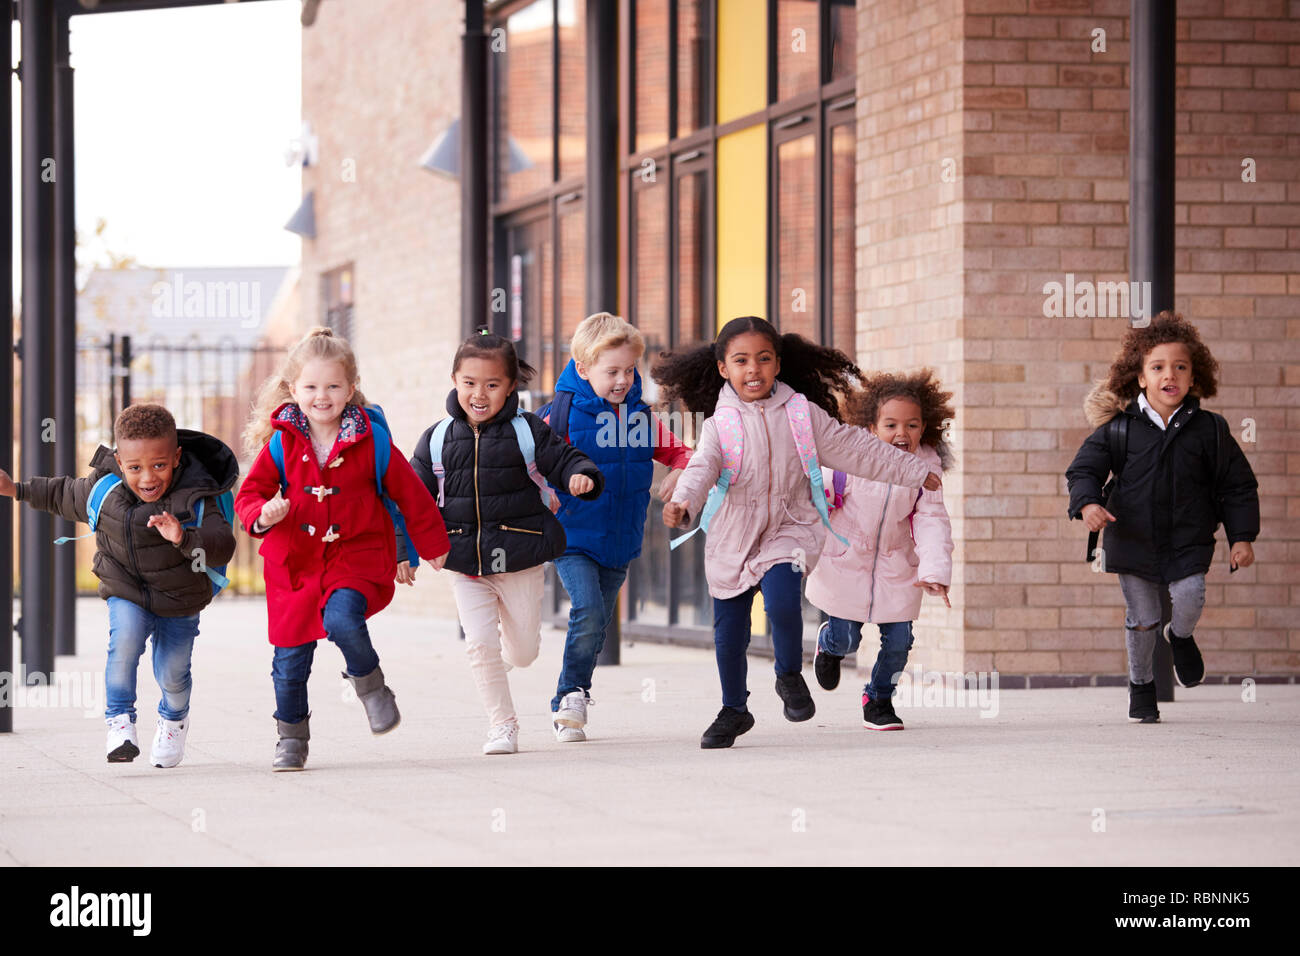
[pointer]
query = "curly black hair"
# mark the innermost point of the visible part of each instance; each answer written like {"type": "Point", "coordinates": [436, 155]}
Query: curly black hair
{"type": "Point", "coordinates": [145, 420]}
{"type": "Point", "coordinates": [820, 373]}
{"type": "Point", "coordinates": [1165, 328]}
{"type": "Point", "coordinates": [862, 407]}
{"type": "Point", "coordinates": [483, 344]}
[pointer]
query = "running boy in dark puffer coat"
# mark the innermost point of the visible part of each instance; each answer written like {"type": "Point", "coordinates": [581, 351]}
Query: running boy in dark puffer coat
{"type": "Point", "coordinates": [150, 562]}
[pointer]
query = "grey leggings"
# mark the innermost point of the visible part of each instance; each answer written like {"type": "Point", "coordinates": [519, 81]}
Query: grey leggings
{"type": "Point", "coordinates": [1142, 618]}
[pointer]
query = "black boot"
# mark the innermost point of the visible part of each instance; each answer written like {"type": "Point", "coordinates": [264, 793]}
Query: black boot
{"type": "Point", "coordinates": [1189, 667]}
{"type": "Point", "coordinates": [794, 693]}
{"type": "Point", "coordinates": [724, 730]}
{"type": "Point", "coordinates": [1142, 703]}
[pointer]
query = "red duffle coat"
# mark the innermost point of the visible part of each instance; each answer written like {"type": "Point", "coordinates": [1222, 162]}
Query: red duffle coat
{"type": "Point", "coordinates": [302, 568]}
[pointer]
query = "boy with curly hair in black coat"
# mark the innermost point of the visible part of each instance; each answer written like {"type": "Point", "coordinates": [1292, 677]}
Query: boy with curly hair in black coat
{"type": "Point", "coordinates": [1178, 474]}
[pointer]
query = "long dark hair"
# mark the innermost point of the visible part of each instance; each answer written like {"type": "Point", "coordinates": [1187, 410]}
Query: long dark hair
{"type": "Point", "coordinates": [483, 344]}
{"type": "Point", "coordinates": [690, 375]}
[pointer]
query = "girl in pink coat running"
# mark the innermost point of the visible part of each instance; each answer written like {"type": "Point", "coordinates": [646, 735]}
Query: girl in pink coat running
{"type": "Point", "coordinates": [899, 541]}
{"type": "Point", "coordinates": [774, 415]}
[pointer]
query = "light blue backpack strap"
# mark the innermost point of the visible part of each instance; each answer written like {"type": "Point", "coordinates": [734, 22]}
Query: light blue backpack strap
{"type": "Point", "coordinates": [277, 455]}
{"type": "Point", "coordinates": [796, 410]}
{"type": "Point", "coordinates": [528, 448]}
{"type": "Point", "coordinates": [98, 492]}
{"type": "Point", "coordinates": [731, 440]}
{"type": "Point", "coordinates": [436, 441]}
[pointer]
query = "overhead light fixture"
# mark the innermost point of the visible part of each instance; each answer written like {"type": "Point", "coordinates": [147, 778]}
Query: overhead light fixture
{"type": "Point", "coordinates": [443, 157]}
{"type": "Point", "coordinates": [303, 221]}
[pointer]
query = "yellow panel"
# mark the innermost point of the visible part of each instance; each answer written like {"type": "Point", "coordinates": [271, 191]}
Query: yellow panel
{"type": "Point", "coordinates": [742, 58]}
{"type": "Point", "coordinates": [742, 224]}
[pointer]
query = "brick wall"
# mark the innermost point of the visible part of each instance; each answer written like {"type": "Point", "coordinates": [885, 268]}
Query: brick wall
{"type": "Point", "coordinates": [1044, 192]}
{"type": "Point", "coordinates": [380, 80]}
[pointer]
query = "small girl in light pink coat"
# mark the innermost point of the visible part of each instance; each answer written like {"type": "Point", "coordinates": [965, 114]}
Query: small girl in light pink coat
{"type": "Point", "coordinates": [900, 542]}
{"type": "Point", "coordinates": [767, 389]}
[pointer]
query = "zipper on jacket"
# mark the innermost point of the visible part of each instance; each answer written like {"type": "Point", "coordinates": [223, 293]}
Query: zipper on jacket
{"type": "Point", "coordinates": [135, 565]}
{"type": "Point", "coordinates": [506, 527]}
{"type": "Point", "coordinates": [884, 509]}
{"type": "Point", "coordinates": [478, 518]}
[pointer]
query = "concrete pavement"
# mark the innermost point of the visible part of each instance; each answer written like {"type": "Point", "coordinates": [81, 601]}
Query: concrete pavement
{"type": "Point", "coordinates": [1057, 777]}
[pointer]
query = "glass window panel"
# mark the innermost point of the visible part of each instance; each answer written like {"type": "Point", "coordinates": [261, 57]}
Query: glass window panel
{"type": "Point", "coordinates": [843, 205]}
{"type": "Point", "coordinates": [694, 45]}
{"type": "Point", "coordinates": [797, 47]}
{"type": "Point", "coordinates": [650, 308]}
{"type": "Point", "coordinates": [796, 227]}
{"type": "Point", "coordinates": [651, 73]}
{"type": "Point", "coordinates": [691, 223]}
{"type": "Point", "coordinates": [525, 102]}
{"type": "Point", "coordinates": [573, 280]}
{"type": "Point", "coordinates": [844, 38]}
{"type": "Point", "coordinates": [531, 305]}
{"type": "Point", "coordinates": [573, 87]}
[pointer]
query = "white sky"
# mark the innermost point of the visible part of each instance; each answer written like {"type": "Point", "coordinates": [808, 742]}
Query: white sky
{"type": "Point", "coordinates": [182, 121]}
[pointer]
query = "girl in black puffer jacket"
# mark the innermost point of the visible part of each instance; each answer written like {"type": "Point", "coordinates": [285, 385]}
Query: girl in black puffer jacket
{"type": "Point", "coordinates": [498, 516]}
{"type": "Point", "coordinates": [1179, 476]}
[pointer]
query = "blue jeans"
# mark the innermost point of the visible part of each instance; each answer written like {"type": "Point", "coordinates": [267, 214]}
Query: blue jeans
{"type": "Point", "coordinates": [129, 626]}
{"type": "Point", "coordinates": [843, 637]}
{"type": "Point", "coordinates": [593, 596]}
{"type": "Point", "coordinates": [345, 624]}
{"type": "Point", "coordinates": [731, 624]}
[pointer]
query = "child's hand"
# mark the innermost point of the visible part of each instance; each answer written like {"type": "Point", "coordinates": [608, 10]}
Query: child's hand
{"type": "Point", "coordinates": [667, 486]}
{"type": "Point", "coordinates": [932, 482]}
{"type": "Point", "coordinates": [580, 485]}
{"type": "Point", "coordinates": [1095, 517]}
{"type": "Point", "coordinates": [167, 526]}
{"type": "Point", "coordinates": [438, 562]}
{"type": "Point", "coordinates": [7, 486]}
{"type": "Point", "coordinates": [273, 511]}
{"type": "Point", "coordinates": [675, 515]}
{"type": "Point", "coordinates": [1243, 555]}
{"type": "Point", "coordinates": [933, 588]}
{"type": "Point", "coordinates": [405, 573]}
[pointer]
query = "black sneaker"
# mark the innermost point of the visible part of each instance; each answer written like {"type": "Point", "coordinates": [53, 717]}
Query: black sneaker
{"type": "Point", "coordinates": [724, 730]}
{"type": "Point", "coordinates": [1142, 703]}
{"type": "Point", "coordinates": [879, 714]}
{"type": "Point", "coordinates": [1189, 667]}
{"type": "Point", "coordinates": [794, 693]}
{"type": "Point", "coordinates": [826, 666]}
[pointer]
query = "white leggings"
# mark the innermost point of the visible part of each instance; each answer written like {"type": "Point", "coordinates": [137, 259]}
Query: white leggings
{"type": "Point", "coordinates": [502, 618]}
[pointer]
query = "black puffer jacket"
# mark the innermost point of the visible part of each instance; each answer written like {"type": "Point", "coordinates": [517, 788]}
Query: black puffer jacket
{"type": "Point", "coordinates": [493, 511]}
{"type": "Point", "coordinates": [134, 561]}
{"type": "Point", "coordinates": [1166, 503]}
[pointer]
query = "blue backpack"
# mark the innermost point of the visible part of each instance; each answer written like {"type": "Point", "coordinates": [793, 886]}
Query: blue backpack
{"type": "Point", "coordinates": [383, 451]}
{"type": "Point", "coordinates": [105, 485]}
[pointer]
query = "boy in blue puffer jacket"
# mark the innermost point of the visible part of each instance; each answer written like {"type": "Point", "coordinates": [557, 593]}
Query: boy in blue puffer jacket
{"type": "Point", "coordinates": [598, 409]}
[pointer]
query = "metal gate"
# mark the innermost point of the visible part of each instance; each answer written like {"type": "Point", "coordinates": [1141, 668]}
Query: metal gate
{"type": "Point", "coordinates": [207, 387]}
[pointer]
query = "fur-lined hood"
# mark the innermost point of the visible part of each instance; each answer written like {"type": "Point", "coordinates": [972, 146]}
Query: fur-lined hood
{"type": "Point", "coordinates": [1102, 405]}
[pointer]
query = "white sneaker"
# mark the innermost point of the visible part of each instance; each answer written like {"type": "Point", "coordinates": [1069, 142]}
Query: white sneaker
{"type": "Point", "coordinates": [568, 735]}
{"type": "Point", "coordinates": [503, 739]}
{"type": "Point", "coordinates": [122, 747]}
{"type": "Point", "coordinates": [573, 709]}
{"type": "Point", "coordinates": [169, 742]}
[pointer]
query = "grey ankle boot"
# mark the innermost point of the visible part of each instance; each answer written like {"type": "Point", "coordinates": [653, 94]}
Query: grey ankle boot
{"type": "Point", "coordinates": [291, 749]}
{"type": "Point", "coordinates": [378, 700]}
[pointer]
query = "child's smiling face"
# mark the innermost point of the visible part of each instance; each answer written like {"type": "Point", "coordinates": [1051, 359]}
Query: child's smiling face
{"type": "Point", "coordinates": [147, 465]}
{"type": "Point", "coordinates": [1166, 377]}
{"type": "Point", "coordinates": [322, 391]}
{"type": "Point", "coordinates": [899, 422]}
{"type": "Point", "coordinates": [482, 387]}
{"type": "Point", "coordinates": [751, 365]}
{"type": "Point", "coordinates": [612, 373]}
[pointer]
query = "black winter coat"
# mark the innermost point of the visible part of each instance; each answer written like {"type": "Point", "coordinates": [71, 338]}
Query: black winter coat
{"type": "Point", "coordinates": [134, 561]}
{"type": "Point", "coordinates": [1166, 503]}
{"type": "Point", "coordinates": [493, 511]}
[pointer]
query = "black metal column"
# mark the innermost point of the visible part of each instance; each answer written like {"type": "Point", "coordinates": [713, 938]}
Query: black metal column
{"type": "Point", "coordinates": [1151, 192]}
{"type": "Point", "coordinates": [37, 355]}
{"type": "Point", "coordinates": [474, 171]}
{"type": "Point", "coordinates": [65, 337]}
{"type": "Point", "coordinates": [7, 379]}
{"type": "Point", "coordinates": [602, 194]}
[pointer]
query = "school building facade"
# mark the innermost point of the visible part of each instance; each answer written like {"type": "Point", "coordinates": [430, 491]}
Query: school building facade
{"type": "Point", "coordinates": [902, 179]}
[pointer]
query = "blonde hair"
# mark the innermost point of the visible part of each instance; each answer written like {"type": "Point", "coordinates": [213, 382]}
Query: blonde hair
{"type": "Point", "coordinates": [603, 331]}
{"type": "Point", "coordinates": [319, 343]}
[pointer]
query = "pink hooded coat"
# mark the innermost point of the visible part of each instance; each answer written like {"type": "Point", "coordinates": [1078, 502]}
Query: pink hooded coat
{"type": "Point", "coordinates": [767, 517]}
{"type": "Point", "coordinates": [895, 540]}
